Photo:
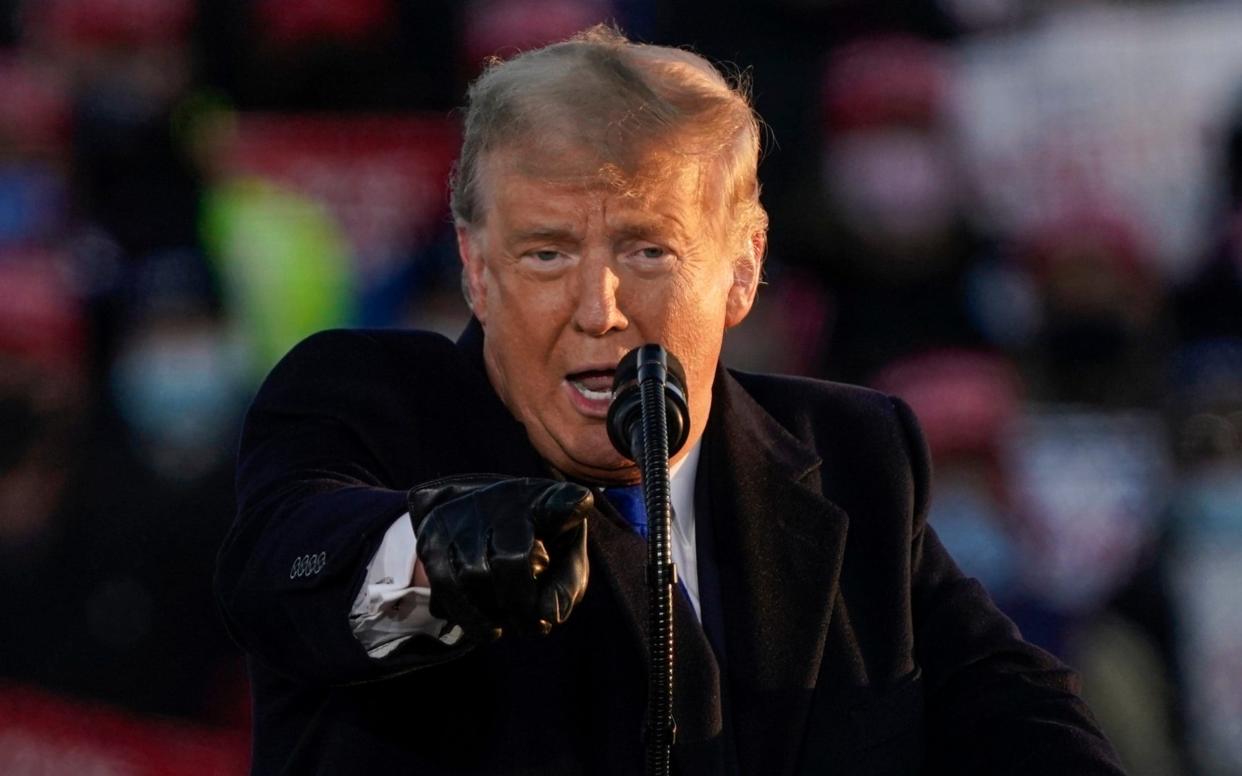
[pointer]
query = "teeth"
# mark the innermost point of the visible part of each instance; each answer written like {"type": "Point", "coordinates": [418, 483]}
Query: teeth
{"type": "Point", "coordinates": [590, 394]}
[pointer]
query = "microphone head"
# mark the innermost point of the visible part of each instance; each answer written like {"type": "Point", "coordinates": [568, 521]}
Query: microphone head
{"type": "Point", "coordinates": [648, 362]}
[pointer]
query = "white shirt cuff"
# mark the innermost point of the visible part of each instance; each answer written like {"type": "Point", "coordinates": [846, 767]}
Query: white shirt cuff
{"type": "Point", "coordinates": [389, 608]}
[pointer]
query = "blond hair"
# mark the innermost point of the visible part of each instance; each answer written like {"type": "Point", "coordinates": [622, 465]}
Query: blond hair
{"type": "Point", "coordinates": [635, 109]}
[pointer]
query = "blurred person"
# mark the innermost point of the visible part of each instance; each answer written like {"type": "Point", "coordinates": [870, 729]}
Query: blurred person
{"type": "Point", "coordinates": [125, 66]}
{"type": "Point", "coordinates": [43, 400]}
{"type": "Point", "coordinates": [128, 64]}
{"type": "Point", "coordinates": [177, 378]}
{"type": "Point", "coordinates": [966, 402]}
{"type": "Point", "coordinates": [969, 403]}
{"type": "Point", "coordinates": [1089, 489]}
{"type": "Point", "coordinates": [108, 517]}
{"type": "Point", "coordinates": [1204, 553]}
{"type": "Point", "coordinates": [160, 484]}
{"type": "Point", "coordinates": [887, 165]}
{"type": "Point", "coordinates": [1100, 338]}
{"type": "Point", "coordinates": [332, 55]}
{"type": "Point", "coordinates": [405, 614]}
{"type": "Point", "coordinates": [885, 228]}
{"type": "Point", "coordinates": [283, 264]}
{"type": "Point", "coordinates": [1209, 304]}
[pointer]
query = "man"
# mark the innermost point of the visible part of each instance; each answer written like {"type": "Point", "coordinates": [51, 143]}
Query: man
{"type": "Point", "coordinates": [606, 196]}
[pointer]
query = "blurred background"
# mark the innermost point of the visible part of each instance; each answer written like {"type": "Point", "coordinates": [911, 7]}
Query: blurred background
{"type": "Point", "coordinates": [1023, 216]}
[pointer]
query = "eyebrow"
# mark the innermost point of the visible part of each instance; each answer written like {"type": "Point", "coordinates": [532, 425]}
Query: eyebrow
{"type": "Point", "coordinates": [544, 233]}
{"type": "Point", "coordinates": [636, 230]}
{"type": "Point", "coordinates": [649, 229]}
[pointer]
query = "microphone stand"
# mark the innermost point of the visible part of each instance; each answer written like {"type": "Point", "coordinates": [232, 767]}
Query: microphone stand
{"type": "Point", "coordinates": [639, 426]}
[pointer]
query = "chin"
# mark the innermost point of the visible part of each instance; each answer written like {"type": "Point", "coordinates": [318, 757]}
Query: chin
{"type": "Point", "coordinates": [594, 458]}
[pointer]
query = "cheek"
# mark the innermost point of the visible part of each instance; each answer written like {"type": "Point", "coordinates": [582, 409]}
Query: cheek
{"type": "Point", "coordinates": [525, 321]}
{"type": "Point", "coordinates": [690, 329]}
{"type": "Point", "coordinates": [532, 311]}
{"type": "Point", "coordinates": [698, 350]}
{"type": "Point", "coordinates": [692, 324]}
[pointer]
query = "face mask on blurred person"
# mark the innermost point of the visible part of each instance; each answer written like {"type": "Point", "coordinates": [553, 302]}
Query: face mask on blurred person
{"type": "Point", "coordinates": [971, 526]}
{"type": "Point", "coordinates": [177, 391]}
{"type": "Point", "coordinates": [893, 187]}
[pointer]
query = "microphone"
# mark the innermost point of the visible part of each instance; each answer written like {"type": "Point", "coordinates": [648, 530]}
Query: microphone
{"type": "Point", "coordinates": [625, 413]}
{"type": "Point", "coordinates": [648, 421]}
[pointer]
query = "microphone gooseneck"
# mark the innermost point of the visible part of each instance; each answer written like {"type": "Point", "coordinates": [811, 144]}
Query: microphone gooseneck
{"type": "Point", "coordinates": [648, 421]}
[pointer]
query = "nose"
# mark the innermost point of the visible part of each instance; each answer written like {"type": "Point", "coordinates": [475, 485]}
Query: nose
{"type": "Point", "coordinates": [597, 311]}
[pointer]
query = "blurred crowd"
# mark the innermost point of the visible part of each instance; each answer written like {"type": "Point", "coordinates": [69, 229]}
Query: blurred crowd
{"type": "Point", "coordinates": [1023, 217]}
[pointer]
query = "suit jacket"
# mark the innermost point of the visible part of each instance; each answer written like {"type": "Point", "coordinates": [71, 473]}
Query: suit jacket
{"type": "Point", "coordinates": [849, 642]}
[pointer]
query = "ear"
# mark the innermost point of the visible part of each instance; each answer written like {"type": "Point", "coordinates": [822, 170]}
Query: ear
{"type": "Point", "coordinates": [747, 272]}
{"type": "Point", "coordinates": [469, 248]}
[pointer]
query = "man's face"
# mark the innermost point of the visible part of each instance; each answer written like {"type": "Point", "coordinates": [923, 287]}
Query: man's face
{"type": "Point", "coordinates": [568, 277]}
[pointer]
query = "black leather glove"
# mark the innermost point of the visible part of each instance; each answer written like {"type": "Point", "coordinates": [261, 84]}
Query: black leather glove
{"type": "Point", "coordinates": [502, 554]}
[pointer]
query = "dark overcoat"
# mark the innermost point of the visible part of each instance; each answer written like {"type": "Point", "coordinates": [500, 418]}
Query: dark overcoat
{"type": "Point", "coordinates": [848, 642]}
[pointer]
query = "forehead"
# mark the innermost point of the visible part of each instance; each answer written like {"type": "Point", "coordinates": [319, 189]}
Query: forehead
{"type": "Point", "coordinates": [519, 184]}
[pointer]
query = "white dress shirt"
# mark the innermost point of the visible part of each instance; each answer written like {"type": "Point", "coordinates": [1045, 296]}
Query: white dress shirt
{"type": "Point", "coordinates": [389, 608]}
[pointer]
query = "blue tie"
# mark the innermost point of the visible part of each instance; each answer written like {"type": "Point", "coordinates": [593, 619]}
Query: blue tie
{"type": "Point", "coordinates": [629, 502]}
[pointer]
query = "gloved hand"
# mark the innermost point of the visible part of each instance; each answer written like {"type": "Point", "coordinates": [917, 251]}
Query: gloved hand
{"type": "Point", "coordinates": [502, 554]}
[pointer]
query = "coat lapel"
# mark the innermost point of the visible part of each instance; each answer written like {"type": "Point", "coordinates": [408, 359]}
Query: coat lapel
{"type": "Point", "coordinates": [618, 558]}
{"type": "Point", "coordinates": [779, 546]}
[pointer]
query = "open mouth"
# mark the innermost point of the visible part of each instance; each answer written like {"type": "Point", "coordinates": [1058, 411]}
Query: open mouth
{"type": "Point", "coordinates": [593, 384]}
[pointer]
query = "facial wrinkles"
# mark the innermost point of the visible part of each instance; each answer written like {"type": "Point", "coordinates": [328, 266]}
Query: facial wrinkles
{"type": "Point", "coordinates": [701, 326]}
{"type": "Point", "coordinates": [599, 281]}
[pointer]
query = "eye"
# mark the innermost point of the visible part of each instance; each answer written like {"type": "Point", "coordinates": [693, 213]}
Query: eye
{"type": "Point", "coordinates": [546, 262]}
{"type": "Point", "coordinates": [648, 259]}
{"type": "Point", "coordinates": [650, 254]}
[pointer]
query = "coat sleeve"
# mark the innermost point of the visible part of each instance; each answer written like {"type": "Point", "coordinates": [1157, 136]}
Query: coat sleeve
{"type": "Point", "coordinates": [995, 704]}
{"type": "Point", "coordinates": [318, 484]}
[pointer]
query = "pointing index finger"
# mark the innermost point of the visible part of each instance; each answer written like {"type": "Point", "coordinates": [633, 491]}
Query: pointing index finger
{"type": "Point", "coordinates": [562, 507]}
